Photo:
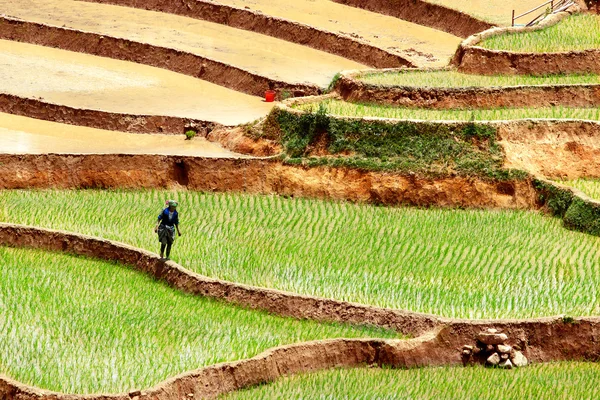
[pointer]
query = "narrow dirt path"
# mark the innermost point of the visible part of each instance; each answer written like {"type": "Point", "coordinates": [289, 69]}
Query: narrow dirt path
{"type": "Point", "coordinates": [497, 12]}
{"type": "Point", "coordinates": [22, 135]}
{"type": "Point", "coordinates": [422, 45]}
{"type": "Point", "coordinates": [261, 54]}
{"type": "Point", "coordinates": [97, 83]}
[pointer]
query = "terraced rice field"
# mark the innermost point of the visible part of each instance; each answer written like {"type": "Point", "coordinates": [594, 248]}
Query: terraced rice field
{"type": "Point", "coordinates": [590, 187]}
{"type": "Point", "coordinates": [577, 32]}
{"type": "Point", "coordinates": [347, 109]}
{"type": "Point", "coordinates": [454, 263]}
{"type": "Point", "coordinates": [83, 81]}
{"type": "Point", "coordinates": [544, 382]}
{"type": "Point", "coordinates": [21, 135]}
{"type": "Point", "coordinates": [87, 326]}
{"type": "Point", "coordinates": [264, 55]}
{"type": "Point", "coordinates": [422, 45]}
{"type": "Point", "coordinates": [451, 79]}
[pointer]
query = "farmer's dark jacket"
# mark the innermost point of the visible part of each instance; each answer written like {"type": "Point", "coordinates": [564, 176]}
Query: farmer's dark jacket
{"type": "Point", "coordinates": [164, 218]}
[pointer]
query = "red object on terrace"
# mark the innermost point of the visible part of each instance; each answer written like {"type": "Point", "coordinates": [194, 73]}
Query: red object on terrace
{"type": "Point", "coordinates": [270, 96]}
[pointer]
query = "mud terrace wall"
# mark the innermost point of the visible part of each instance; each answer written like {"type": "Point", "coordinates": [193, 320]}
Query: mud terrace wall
{"type": "Point", "coordinates": [331, 42]}
{"type": "Point", "coordinates": [39, 109]}
{"type": "Point", "coordinates": [424, 13]}
{"type": "Point", "coordinates": [541, 340]}
{"type": "Point", "coordinates": [473, 59]}
{"type": "Point", "coordinates": [128, 50]}
{"type": "Point", "coordinates": [351, 88]}
{"type": "Point", "coordinates": [259, 177]}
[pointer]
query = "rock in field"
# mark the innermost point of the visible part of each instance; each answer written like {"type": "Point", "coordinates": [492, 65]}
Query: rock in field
{"type": "Point", "coordinates": [519, 360]}
{"type": "Point", "coordinates": [504, 349]}
{"type": "Point", "coordinates": [492, 338]}
{"type": "Point", "coordinates": [506, 364]}
{"type": "Point", "coordinates": [494, 359]}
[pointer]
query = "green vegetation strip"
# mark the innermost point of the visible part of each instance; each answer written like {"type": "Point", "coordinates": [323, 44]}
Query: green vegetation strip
{"type": "Point", "coordinates": [573, 380]}
{"type": "Point", "coordinates": [429, 149]}
{"type": "Point", "coordinates": [454, 79]}
{"type": "Point", "coordinates": [454, 263]}
{"type": "Point", "coordinates": [77, 325]}
{"type": "Point", "coordinates": [346, 109]}
{"type": "Point", "coordinates": [577, 32]}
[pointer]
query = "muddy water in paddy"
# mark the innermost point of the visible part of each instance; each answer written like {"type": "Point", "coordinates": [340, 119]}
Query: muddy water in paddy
{"type": "Point", "coordinates": [84, 81]}
{"type": "Point", "coordinates": [422, 45]}
{"type": "Point", "coordinates": [495, 11]}
{"type": "Point", "coordinates": [248, 50]}
{"type": "Point", "coordinates": [21, 135]}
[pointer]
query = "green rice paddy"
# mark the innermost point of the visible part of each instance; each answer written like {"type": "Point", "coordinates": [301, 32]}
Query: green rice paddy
{"type": "Point", "coordinates": [564, 380]}
{"type": "Point", "coordinates": [455, 79]}
{"type": "Point", "coordinates": [590, 187]}
{"type": "Point", "coordinates": [454, 263]}
{"type": "Point", "coordinates": [86, 326]}
{"type": "Point", "coordinates": [577, 32]}
{"type": "Point", "coordinates": [346, 109]}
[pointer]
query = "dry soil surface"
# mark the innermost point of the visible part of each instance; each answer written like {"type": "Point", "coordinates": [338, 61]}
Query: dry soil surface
{"type": "Point", "coordinates": [250, 51]}
{"type": "Point", "coordinates": [498, 12]}
{"type": "Point", "coordinates": [21, 135]}
{"type": "Point", "coordinates": [422, 45]}
{"type": "Point", "coordinates": [97, 83]}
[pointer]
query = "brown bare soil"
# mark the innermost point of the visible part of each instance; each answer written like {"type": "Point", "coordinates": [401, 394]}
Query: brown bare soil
{"type": "Point", "coordinates": [255, 21]}
{"type": "Point", "coordinates": [424, 13]}
{"type": "Point", "coordinates": [237, 140]}
{"type": "Point", "coordinates": [542, 340]}
{"type": "Point", "coordinates": [445, 98]}
{"type": "Point", "coordinates": [174, 60]}
{"type": "Point", "coordinates": [258, 176]}
{"type": "Point", "coordinates": [477, 60]}
{"type": "Point", "coordinates": [565, 150]}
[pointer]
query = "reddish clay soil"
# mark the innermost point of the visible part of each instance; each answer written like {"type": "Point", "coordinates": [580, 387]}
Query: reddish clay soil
{"type": "Point", "coordinates": [445, 98]}
{"type": "Point", "coordinates": [563, 150]}
{"type": "Point", "coordinates": [258, 176]}
{"type": "Point", "coordinates": [371, 43]}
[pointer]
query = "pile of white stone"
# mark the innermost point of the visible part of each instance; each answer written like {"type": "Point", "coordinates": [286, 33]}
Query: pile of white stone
{"type": "Point", "coordinates": [492, 348]}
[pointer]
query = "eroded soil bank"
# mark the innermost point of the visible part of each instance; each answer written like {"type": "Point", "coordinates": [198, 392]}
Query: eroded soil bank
{"type": "Point", "coordinates": [259, 176]}
{"type": "Point", "coordinates": [565, 149]}
{"type": "Point", "coordinates": [354, 90]}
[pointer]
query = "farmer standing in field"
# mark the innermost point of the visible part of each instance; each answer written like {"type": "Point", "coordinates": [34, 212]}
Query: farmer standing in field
{"type": "Point", "coordinates": [168, 221]}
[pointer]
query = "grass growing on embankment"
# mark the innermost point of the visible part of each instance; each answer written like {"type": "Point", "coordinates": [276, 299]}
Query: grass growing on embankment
{"type": "Point", "coordinates": [570, 380]}
{"type": "Point", "coordinates": [452, 79]}
{"type": "Point", "coordinates": [424, 148]}
{"type": "Point", "coordinates": [455, 263]}
{"type": "Point", "coordinates": [590, 187]}
{"type": "Point", "coordinates": [347, 109]}
{"type": "Point", "coordinates": [77, 325]}
{"type": "Point", "coordinates": [576, 32]}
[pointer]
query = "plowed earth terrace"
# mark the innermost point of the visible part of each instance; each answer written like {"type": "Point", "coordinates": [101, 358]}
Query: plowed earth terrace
{"type": "Point", "coordinates": [97, 83]}
{"type": "Point", "coordinates": [422, 45]}
{"type": "Point", "coordinates": [264, 55]}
